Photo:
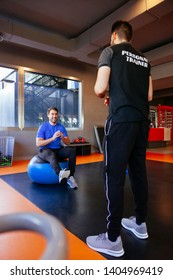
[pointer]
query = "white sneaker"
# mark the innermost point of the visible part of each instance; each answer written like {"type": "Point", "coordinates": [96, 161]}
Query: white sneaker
{"type": "Point", "coordinates": [139, 230]}
{"type": "Point", "coordinates": [72, 182]}
{"type": "Point", "coordinates": [102, 244]}
{"type": "Point", "coordinates": [63, 176]}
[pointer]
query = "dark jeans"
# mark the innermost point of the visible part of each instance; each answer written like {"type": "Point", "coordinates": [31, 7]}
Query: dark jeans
{"type": "Point", "coordinates": [125, 145]}
{"type": "Point", "coordinates": [54, 156]}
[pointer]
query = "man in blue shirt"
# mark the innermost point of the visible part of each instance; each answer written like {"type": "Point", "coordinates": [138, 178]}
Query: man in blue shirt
{"type": "Point", "coordinates": [50, 135]}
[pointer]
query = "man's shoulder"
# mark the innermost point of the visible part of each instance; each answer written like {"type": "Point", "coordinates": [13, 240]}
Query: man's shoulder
{"type": "Point", "coordinates": [105, 57]}
{"type": "Point", "coordinates": [45, 124]}
{"type": "Point", "coordinates": [106, 52]}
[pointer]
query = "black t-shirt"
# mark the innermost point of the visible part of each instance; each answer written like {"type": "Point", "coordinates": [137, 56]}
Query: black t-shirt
{"type": "Point", "coordinates": [129, 82]}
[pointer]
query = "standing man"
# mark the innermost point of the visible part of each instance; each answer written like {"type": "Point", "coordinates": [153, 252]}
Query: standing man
{"type": "Point", "coordinates": [49, 137]}
{"type": "Point", "coordinates": [127, 72]}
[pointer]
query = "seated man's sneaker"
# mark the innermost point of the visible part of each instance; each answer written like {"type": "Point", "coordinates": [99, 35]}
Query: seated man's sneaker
{"type": "Point", "coordinates": [72, 182]}
{"type": "Point", "coordinates": [63, 176]}
{"type": "Point", "coordinates": [139, 230]}
{"type": "Point", "coordinates": [102, 244]}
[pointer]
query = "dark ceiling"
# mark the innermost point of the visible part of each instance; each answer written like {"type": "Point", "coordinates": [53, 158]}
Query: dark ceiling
{"type": "Point", "coordinates": [80, 29]}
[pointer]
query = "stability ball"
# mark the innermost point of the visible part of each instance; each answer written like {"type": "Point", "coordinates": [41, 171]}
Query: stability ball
{"type": "Point", "coordinates": [41, 172]}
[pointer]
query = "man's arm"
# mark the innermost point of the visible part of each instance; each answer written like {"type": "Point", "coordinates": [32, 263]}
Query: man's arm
{"type": "Point", "coordinates": [43, 142]}
{"type": "Point", "coordinates": [102, 81]}
{"type": "Point", "coordinates": [150, 89]}
{"type": "Point", "coordinates": [66, 140]}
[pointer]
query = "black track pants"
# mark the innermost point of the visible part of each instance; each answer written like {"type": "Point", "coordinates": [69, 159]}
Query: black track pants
{"type": "Point", "coordinates": [125, 145]}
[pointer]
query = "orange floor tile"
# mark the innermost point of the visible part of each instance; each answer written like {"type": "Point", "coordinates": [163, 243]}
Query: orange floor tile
{"type": "Point", "coordinates": [17, 167]}
{"type": "Point", "coordinates": [160, 157]}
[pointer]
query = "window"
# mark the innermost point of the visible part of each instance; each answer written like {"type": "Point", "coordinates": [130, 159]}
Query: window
{"type": "Point", "coordinates": [44, 91]}
{"type": "Point", "coordinates": [8, 97]}
{"type": "Point", "coordinates": [38, 92]}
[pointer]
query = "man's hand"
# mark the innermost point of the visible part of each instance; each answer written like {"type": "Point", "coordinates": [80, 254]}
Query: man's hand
{"type": "Point", "coordinates": [58, 134]}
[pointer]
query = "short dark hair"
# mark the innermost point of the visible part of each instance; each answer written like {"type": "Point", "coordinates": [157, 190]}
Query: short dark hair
{"type": "Point", "coordinates": [123, 29]}
{"type": "Point", "coordinates": [52, 108]}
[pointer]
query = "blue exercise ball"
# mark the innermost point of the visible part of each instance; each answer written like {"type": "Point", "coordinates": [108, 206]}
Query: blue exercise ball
{"type": "Point", "coordinates": [41, 172]}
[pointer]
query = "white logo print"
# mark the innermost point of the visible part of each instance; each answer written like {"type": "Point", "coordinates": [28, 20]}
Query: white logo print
{"type": "Point", "coordinates": [137, 59]}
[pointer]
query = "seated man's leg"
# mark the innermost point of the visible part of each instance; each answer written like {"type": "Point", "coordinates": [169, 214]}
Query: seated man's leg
{"type": "Point", "coordinates": [69, 152]}
{"type": "Point", "coordinates": [50, 156]}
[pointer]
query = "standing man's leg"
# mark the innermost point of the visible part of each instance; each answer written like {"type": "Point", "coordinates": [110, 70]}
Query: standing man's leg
{"type": "Point", "coordinates": [118, 144]}
{"type": "Point", "coordinates": [139, 183]}
{"type": "Point", "coordinates": [120, 139]}
{"type": "Point", "coordinates": [138, 173]}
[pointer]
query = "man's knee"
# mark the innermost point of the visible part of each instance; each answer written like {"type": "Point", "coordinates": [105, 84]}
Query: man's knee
{"type": "Point", "coordinates": [47, 154]}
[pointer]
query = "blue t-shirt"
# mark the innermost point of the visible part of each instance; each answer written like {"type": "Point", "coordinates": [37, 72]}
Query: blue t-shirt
{"type": "Point", "coordinates": [46, 131]}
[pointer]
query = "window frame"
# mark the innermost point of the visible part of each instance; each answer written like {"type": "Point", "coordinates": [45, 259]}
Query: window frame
{"type": "Point", "coordinates": [10, 128]}
{"type": "Point", "coordinates": [21, 98]}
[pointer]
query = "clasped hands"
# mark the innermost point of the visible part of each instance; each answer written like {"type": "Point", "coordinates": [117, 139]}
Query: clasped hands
{"type": "Point", "coordinates": [58, 134]}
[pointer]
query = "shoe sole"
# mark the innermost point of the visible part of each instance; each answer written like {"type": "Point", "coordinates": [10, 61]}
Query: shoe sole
{"type": "Point", "coordinates": [108, 252]}
{"type": "Point", "coordinates": [137, 234]}
{"type": "Point", "coordinates": [74, 188]}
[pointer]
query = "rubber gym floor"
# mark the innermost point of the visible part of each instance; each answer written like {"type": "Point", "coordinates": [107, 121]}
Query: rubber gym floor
{"type": "Point", "coordinates": [83, 211]}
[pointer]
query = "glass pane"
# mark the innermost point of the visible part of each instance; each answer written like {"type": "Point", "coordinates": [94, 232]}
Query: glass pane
{"type": "Point", "coordinates": [8, 97]}
{"type": "Point", "coordinates": [44, 91]}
